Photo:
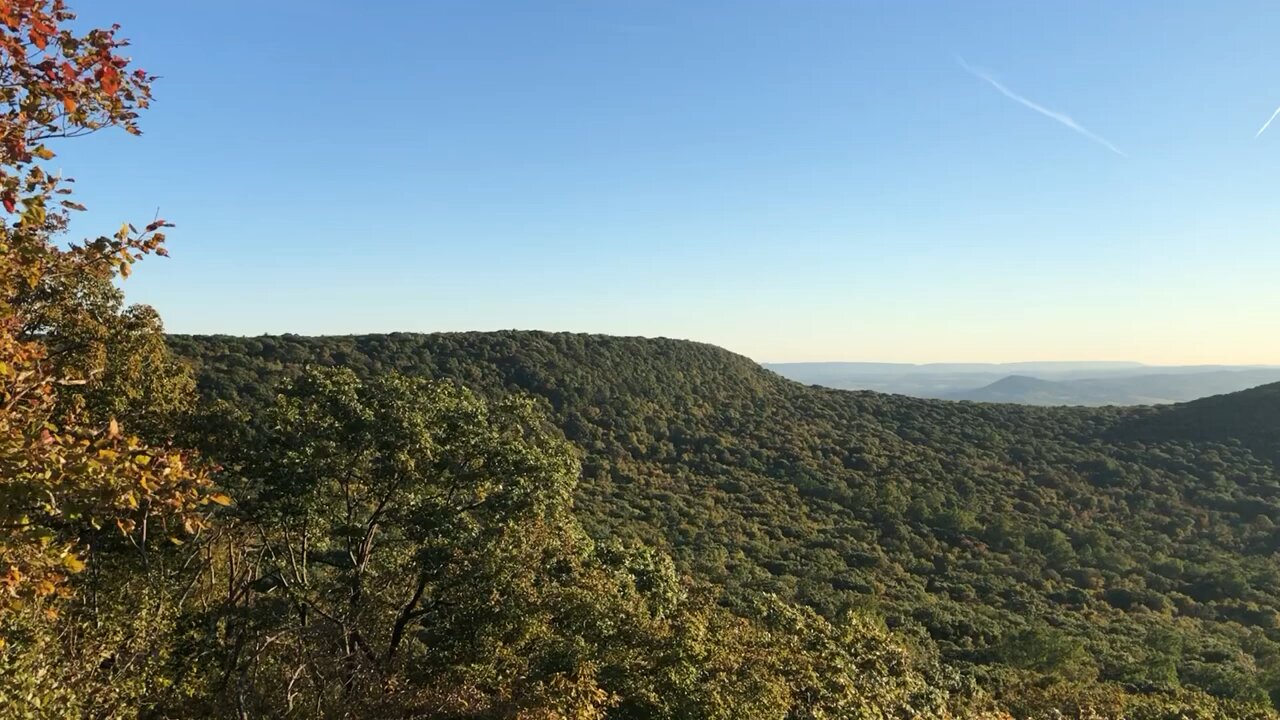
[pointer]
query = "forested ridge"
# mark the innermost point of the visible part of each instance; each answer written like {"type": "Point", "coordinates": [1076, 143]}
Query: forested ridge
{"type": "Point", "coordinates": [1126, 545]}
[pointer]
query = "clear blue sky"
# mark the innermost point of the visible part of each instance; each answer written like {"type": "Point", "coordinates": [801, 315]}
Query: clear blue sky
{"type": "Point", "coordinates": [791, 179]}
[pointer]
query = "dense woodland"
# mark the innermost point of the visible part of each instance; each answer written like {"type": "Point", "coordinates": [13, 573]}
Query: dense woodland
{"type": "Point", "coordinates": [555, 526]}
{"type": "Point", "coordinates": [1126, 546]}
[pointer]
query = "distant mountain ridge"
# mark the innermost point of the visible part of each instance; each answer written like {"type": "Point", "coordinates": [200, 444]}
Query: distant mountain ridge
{"type": "Point", "coordinates": [1135, 390]}
{"type": "Point", "coordinates": [949, 367]}
{"type": "Point", "coordinates": [1036, 383]}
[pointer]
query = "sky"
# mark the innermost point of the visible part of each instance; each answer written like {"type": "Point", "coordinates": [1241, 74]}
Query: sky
{"type": "Point", "coordinates": [790, 179]}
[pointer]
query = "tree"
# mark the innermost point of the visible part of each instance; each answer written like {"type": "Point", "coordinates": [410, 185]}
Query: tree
{"type": "Point", "coordinates": [69, 466]}
{"type": "Point", "coordinates": [400, 525]}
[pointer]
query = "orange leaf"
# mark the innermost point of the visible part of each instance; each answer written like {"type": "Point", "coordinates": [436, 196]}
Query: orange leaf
{"type": "Point", "coordinates": [110, 80]}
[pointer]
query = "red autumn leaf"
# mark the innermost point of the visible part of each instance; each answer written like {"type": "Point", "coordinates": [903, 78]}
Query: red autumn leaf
{"type": "Point", "coordinates": [110, 79]}
{"type": "Point", "coordinates": [10, 205]}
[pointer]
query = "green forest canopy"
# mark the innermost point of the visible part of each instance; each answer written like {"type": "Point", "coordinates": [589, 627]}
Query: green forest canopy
{"type": "Point", "coordinates": [1125, 545]}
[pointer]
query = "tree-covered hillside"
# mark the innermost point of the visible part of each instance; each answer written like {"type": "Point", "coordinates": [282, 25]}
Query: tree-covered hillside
{"type": "Point", "coordinates": [1127, 546]}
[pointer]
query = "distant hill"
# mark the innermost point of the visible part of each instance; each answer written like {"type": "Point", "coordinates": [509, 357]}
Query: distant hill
{"type": "Point", "coordinates": [1138, 546]}
{"type": "Point", "coordinates": [1019, 389]}
{"type": "Point", "coordinates": [1061, 383]}
{"type": "Point", "coordinates": [1129, 390]}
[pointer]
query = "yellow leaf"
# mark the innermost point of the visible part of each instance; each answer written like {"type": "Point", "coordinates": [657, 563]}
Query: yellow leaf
{"type": "Point", "coordinates": [220, 498]}
{"type": "Point", "coordinates": [72, 563]}
{"type": "Point", "coordinates": [43, 153]}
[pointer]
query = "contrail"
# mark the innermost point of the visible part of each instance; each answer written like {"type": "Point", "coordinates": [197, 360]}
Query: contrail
{"type": "Point", "coordinates": [1064, 119]}
{"type": "Point", "coordinates": [1268, 123]}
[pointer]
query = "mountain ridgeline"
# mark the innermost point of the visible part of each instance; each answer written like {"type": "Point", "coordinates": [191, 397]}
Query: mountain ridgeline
{"type": "Point", "coordinates": [1129, 548]}
{"type": "Point", "coordinates": [1156, 389]}
{"type": "Point", "coordinates": [1044, 383]}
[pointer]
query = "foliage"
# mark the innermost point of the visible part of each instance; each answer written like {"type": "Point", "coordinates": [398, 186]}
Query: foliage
{"type": "Point", "coordinates": [67, 468]}
{"type": "Point", "coordinates": [406, 548]}
{"type": "Point", "coordinates": [1050, 540]}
